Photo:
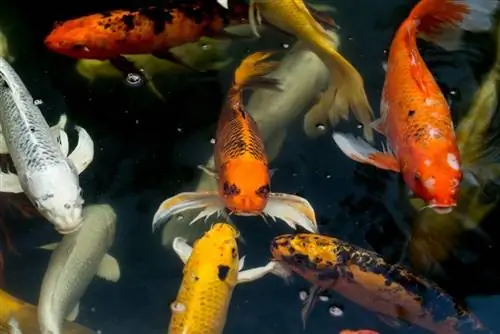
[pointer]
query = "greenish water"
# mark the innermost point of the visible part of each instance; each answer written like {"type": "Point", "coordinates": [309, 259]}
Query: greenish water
{"type": "Point", "coordinates": [147, 150]}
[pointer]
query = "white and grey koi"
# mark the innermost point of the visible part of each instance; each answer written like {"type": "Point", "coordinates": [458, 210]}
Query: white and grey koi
{"type": "Point", "coordinates": [44, 173]}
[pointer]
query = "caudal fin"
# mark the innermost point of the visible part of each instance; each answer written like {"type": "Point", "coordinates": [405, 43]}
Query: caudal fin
{"type": "Point", "coordinates": [346, 93]}
{"type": "Point", "coordinates": [251, 72]}
{"type": "Point", "coordinates": [442, 22]}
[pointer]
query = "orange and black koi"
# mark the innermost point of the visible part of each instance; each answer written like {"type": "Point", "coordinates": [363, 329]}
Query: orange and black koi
{"type": "Point", "coordinates": [154, 30]}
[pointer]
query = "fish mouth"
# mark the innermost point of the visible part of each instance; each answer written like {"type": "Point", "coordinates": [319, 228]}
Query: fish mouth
{"type": "Point", "coordinates": [65, 231]}
{"type": "Point", "coordinates": [442, 209]}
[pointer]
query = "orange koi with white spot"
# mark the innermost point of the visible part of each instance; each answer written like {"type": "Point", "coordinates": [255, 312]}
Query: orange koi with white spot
{"type": "Point", "coordinates": [241, 165]}
{"type": "Point", "coordinates": [415, 116]}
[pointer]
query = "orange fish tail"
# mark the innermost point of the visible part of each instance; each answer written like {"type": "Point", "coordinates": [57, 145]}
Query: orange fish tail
{"type": "Point", "coordinates": [251, 70]}
{"type": "Point", "coordinates": [442, 21]}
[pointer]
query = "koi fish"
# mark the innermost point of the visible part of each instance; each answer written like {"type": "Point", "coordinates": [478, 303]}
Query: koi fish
{"type": "Point", "coordinates": [17, 316]}
{"type": "Point", "coordinates": [434, 237]}
{"type": "Point", "coordinates": [241, 165]}
{"type": "Point", "coordinates": [212, 270]}
{"type": "Point", "coordinates": [368, 280]}
{"type": "Point", "coordinates": [415, 116]}
{"type": "Point", "coordinates": [75, 261]}
{"type": "Point", "coordinates": [152, 30]}
{"type": "Point", "coordinates": [45, 172]}
{"type": "Point", "coordinates": [346, 91]}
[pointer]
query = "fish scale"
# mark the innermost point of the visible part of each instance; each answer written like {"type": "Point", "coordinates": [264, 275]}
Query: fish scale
{"type": "Point", "coordinates": [26, 132]}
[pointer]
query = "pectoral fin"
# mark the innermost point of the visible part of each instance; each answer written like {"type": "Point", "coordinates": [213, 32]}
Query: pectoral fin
{"type": "Point", "coordinates": [83, 153]}
{"type": "Point", "coordinates": [360, 151]}
{"type": "Point", "coordinates": [207, 200]}
{"type": "Point", "coordinates": [251, 275]}
{"type": "Point", "coordinates": [242, 263]}
{"type": "Point", "coordinates": [74, 313]}
{"type": "Point", "coordinates": [294, 210]}
{"type": "Point", "coordinates": [182, 249]}
{"type": "Point", "coordinates": [9, 183]}
{"type": "Point", "coordinates": [109, 269]}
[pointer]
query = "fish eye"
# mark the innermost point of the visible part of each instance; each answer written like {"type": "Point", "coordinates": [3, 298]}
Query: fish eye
{"type": "Point", "coordinates": [263, 191]}
{"type": "Point", "coordinates": [230, 190]}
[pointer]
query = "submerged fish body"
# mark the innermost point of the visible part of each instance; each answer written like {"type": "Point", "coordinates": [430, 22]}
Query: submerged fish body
{"type": "Point", "coordinates": [241, 166]}
{"type": "Point", "coordinates": [368, 280]}
{"type": "Point", "coordinates": [434, 237]}
{"type": "Point", "coordinates": [211, 272]}
{"type": "Point", "coordinates": [415, 116]}
{"type": "Point", "coordinates": [75, 261]}
{"type": "Point", "coordinates": [346, 91]}
{"type": "Point", "coordinates": [19, 317]}
{"type": "Point", "coordinates": [150, 30]}
{"type": "Point", "coordinates": [47, 177]}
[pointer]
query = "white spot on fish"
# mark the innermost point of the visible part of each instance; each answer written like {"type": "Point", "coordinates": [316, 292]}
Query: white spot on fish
{"type": "Point", "coordinates": [429, 102]}
{"type": "Point", "coordinates": [429, 183]}
{"type": "Point", "coordinates": [427, 162]}
{"type": "Point", "coordinates": [453, 161]}
{"type": "Point", "coordinates": [434, 133]}
{"type": "Point", "coordinates": [177, 307]}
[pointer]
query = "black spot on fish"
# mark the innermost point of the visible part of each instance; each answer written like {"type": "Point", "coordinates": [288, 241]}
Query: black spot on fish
{"type": "Point", "coordinates": [233, 252]}
{"type": "Point", "coordinates": [159, 16]}
{"type": "Point", "coordinates": [32, 129]}
{"type": "Point", "coordinates": [78, 47]}
{"type": "Point", "coordinates": [411, 113]}
{"type": "Point", "coordinates": [291, 250]}
{"type": "Point", "coordinates": [128, 21]}
{"type": "Point", "coordinates": [107, 25]}
{"type": "Point", "coordinates": [223, 271]}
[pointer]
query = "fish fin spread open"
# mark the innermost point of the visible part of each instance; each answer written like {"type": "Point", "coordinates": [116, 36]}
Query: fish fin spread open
{"type": "Point", "coordinates": [208, 201]}
{"type": "Point", "coordinates": [109, 269]}
{"type": "Point", "coordinates": [378, 125]}
{"type": "Point", "coordinates": [443, 23]}
{"type": "Point", "coordinates": [241, 263]}
{"type": "Point", "coordinates": [294, 210]}
{"type": "Point", "coordinates": [251, 275]}
{"type": "Point", "coordinates": [9, 183]}
{"type": "Point", "coordinates": [359, 150]}
{"type": "Point", "coordinates": [74, 312]}
{"type": "Point", "coordinates": [83, 154]}
{"type": "Point", "coordinates": [182, 249]}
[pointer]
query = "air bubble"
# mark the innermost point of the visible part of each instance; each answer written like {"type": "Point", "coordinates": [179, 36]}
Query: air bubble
{"type": "Point", "coordinates": [134, 79]}
{"type": "Point", "coordinates": [285, 45]}
{"type": "Point", "coordinates": [177, 307]}
{"type": "Point", "coordinates": [335, 311]}
{"type": "Point", "coordinates": [303, 295]}
{"type": "Point", "coordinates": [212, 141]}
{"type": "Point", "coordinates": [38, 102]}
{"type": "Point", "coordinates": [321, 127]}
{"type": "Point", "coordinates": [206, 47]}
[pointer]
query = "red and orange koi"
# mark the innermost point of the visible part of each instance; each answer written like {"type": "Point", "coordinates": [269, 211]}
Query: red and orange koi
{"type": "Point", "coordinates": [415, 116]}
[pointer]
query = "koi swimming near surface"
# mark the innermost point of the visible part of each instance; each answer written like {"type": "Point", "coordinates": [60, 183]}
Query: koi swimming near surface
{"type": "Point", "coordinates": [241, 166]}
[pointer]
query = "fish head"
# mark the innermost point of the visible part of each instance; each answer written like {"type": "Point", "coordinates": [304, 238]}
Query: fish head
{"type": "Point", "coordinates": [71, 39]}
{"type": "Point", "coordinates": [436, 178]}
{"type": "Point", "coordinates": [244, 186]}
{"type": "Point", "coordinates": [219, 246]}
{"type": "Point", "coordinates": [306, 254]}
{"type": "Point", "coordinates": [59, 199]}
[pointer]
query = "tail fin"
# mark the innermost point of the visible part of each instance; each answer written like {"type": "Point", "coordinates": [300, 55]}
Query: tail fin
{"type": "Point", "coordinates": [442, 22]}
{"type": "Point", "coordinates": [251, 70]}
{"type": "Point", "coordinates": [345, 93]}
